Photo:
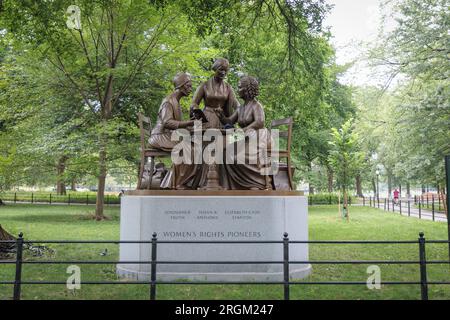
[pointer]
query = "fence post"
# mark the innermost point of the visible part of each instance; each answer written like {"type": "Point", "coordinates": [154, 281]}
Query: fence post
{"type": "Point", "coordinates": [423, 267]}
{"type": "Point", "coordinates": [50, 201]}
{"type": "Point", "coordinates": [427, 202]}
{"type": "Point", "coordinates": [384, 204]}
{"type": "Point", "coordinates": [400, 204]}
{"type": "Point", "coordinates": [153, 268]}
{"type": "Point", "coordinates": [87, 199]}
{"type": "Point", "coordinates": [286, 265]}
{"type": "Point", "coordinates": [420, 210]}
{"type": "Point", "coordinates": [387, 200]}
{"type": "Point", "coordinates": [370, 199]}
{"type": "Point", "coordinates": [432, 207]}
{"type": "Point", "coordinates": [364, 201]}
{"type": "Point", "coordinates": [32, 197]}
{"type": "Point", "coordinates": [18, 278]}
{"type": "Point", "coordinates": [68, 200]}
{"type": "Point", "coordinates": [15, 197]}
{"type": "Point", "coordinates": [378, 201]}
{"type": "Point", "coordinates": [393, 205]}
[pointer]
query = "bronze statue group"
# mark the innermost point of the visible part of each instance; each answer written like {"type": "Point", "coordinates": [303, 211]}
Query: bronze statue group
{"type": "Point", "coordinates": [221, 111]}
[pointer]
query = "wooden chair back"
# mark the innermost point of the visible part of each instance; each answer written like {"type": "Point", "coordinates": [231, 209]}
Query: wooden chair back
{"type": "Point", "coordinates": [285, 132]}
{"type": "Point", "coordinates": [145, 127]}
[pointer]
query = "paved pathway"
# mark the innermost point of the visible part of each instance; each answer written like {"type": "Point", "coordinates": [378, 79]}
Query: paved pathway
{"type": "Point", "coordinates": [425, 214]}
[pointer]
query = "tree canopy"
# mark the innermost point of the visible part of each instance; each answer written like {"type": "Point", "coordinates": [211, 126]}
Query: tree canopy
{"type": "Point", "coordinates": [72, 83]}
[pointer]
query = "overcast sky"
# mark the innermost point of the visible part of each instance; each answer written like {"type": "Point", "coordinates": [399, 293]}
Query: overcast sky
{"type": "Point", "coordinates": [354, 24]}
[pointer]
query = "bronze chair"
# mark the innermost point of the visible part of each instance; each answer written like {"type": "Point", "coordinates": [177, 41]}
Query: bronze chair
{"type": "Point", "coordinates": [286, 152]}
{"type": "Point", "coordinates": [145, 127]}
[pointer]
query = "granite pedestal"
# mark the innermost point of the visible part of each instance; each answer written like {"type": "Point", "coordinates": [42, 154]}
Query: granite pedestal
{"type": "Point", "coordinates": [213, 216]}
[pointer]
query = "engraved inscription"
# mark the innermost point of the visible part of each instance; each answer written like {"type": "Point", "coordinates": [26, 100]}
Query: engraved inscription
{"type": "Point", "coordinates": [211, 234]}
{"type": "Point", "coordinates": [177, 214]}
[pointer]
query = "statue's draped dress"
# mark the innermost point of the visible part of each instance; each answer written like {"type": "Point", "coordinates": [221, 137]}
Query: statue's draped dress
{"type": "Point", "coordinates": [214, 94]}
{"type": "Point", "coordinates": [170, 118]}
{"type": "Point", "coordinates": [250, 174]}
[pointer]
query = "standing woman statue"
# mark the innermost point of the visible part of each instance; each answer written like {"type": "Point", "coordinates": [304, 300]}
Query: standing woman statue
{"type": "Point", "coordinates": [216, 94]}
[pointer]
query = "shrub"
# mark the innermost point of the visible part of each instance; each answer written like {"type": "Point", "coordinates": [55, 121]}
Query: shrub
{"type": "Point", "coordinates": [326, 198]}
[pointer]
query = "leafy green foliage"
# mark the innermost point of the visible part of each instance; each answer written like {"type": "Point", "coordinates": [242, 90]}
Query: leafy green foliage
{"type": "Point", "coordinates": [345, 156]}
{"type": "Point", "coordinates": [408, 125]}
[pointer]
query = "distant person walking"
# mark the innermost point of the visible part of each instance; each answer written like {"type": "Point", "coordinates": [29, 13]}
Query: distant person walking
{"type": "Point", "coordinates": [396, 194]}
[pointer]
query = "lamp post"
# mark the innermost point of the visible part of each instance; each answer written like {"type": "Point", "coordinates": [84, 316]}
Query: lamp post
{"type": "Point", "coordinates": [378, 186]}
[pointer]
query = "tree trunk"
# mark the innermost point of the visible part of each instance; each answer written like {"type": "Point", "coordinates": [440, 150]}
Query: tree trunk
{"type": "Point", "coordinates": [346, 213]}
{"type": "Point", "coordinates": [330, 179]}
{"type": "Point", "coordinates": [61, 167]}
{"type": "Point", "coordinates": [400, 189]}
{"type": "Point", "coordinates": [423, 189]}
{"type": "Point", "coordinates": [389, 184]}
{"type": "Point", "coordinates": [100, 202]}
{"type": "Point", "coordinates": [6, 248]}
{"type": "Point", "coordinates": [310, 185]}
{"type": "Point", "coordinates": [374, 187]}
{"type": "Point", "coordinates": [106, 115]}
{"type": "Point", "coordinates": [358, 186]}
{"type": "Point", "coordinates": [73, 185]}
{"type": "Point", "coordinates": [5, 235]}
{"type": "Point", "coordinates": [101, 185]}
{"type": "Point", "coordinates": [408, 189]}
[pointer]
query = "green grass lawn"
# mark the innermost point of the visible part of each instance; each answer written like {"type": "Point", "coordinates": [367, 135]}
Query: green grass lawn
{"type": "Point", "coordinates": [73, 222]}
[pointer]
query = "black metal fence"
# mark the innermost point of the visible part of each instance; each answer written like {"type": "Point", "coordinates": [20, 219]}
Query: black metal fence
{"type": "Point", "coordinates": [422, 262]}
{"type": "Point", "coordinates": [416, 206]}
{"type": "Point", "coordinates": [52, 198]}
{"type": "Point", "coordinates": [430, 201]}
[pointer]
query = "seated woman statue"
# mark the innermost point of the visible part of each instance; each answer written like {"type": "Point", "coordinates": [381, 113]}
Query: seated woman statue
{"type": "Point", "coordinates": [216, 94]}
{"type": "Point", "coordinates": [170, 118]}
{"type": "Point", "coordinates": [246, 169]}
